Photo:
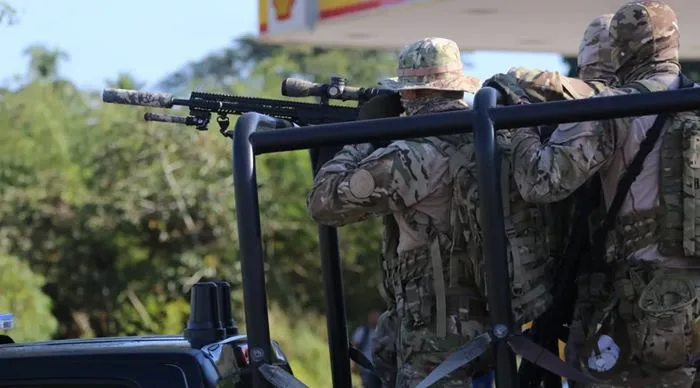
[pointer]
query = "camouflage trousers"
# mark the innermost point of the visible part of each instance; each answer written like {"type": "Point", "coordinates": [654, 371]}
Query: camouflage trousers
{"type": "Point", "coordinates": [407, 347]}
{"type": "Point", "coordinates": [403, 358]}
{"type": "Point", "coordinates": [655, 324]}
{"type": "Point", "coordinates": [384, 348]}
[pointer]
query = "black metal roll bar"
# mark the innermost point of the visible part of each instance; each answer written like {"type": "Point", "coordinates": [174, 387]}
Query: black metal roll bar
{"type": "Point", "coordinates": [483, 119]}
{"type": "Point", "coordinates": [254, 292]}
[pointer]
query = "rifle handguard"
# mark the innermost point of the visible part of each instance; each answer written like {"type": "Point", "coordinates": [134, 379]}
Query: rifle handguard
{"type": "Point", "coordinates": [137, 97]}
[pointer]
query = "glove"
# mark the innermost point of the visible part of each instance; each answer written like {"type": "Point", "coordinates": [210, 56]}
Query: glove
{"type": "Point", "coordinates": [387, 105]}
{"type": "Point", "coordinates": [511, 93]}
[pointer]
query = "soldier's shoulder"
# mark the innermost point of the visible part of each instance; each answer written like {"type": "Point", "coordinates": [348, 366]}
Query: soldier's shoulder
{"type": "Point", "coordinates": [434, 150]}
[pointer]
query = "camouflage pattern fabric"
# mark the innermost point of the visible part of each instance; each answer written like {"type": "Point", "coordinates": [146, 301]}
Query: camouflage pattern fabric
{"type": "Point", "coordinates": [432, 63]}
{"type": "Point", "coordinates": [384, 355]}
{"type": "Point", "coordinates": [594, 53]}
{"type": "Point", "coordinates": [645, 39]}
{"type": "Point", "coordinates": [535, 85]}
{"type": "Point", "coordinates": [552, 171]}
{"type": "Point", "coordinates": [135, 97]}
{"type": "Point", "coordinates": [528, 238]}
{"type": "Point", "coordinates": [653, 323]}
{"type": "Point", "coordinates": [437, 307]}
{"type": "Point", "coordinates": [645, 42]}
{"type": "Point", "coordinates": [595, 69]}
{"type": "Point", "coordinates": [680, 193]}
{"type": "Point", "coordinates": [541, 86]}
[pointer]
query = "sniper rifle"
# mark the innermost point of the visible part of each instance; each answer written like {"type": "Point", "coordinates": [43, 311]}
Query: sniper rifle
{"type": "Point", "coordinates": [202, 105]}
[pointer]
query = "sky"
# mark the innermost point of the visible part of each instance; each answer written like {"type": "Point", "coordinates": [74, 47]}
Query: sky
{"type": "Point", "coordinates": [104, 38]}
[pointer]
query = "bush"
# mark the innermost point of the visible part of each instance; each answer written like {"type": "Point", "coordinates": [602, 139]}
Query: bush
{"type": "Point", "coordinates": [21, 294]}
{"type": "Point", "coordinates": [305, 343]}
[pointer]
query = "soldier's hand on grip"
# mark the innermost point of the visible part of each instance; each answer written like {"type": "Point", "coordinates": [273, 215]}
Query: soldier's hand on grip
{"type": "Point", "coordinates": [380, 107]}
{"type": "Point", "coordinates": [388, 105]}
{"type": "Point", "coordinates": [507, 85]}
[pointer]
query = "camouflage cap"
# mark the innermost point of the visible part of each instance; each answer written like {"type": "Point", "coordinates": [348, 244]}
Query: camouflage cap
{"type": "Point", "coordinates": [594, 52]}
{"type": "Point", "coordinates": [644, 32]}
{"type": "Point", "coordinates": [432, 63]}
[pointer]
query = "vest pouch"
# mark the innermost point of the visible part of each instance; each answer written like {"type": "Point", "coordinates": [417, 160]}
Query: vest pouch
{"type": "Point", "coordinates": [419, 301]}
{"type": "Point", "coordinates": [680, 187]}
{"type": "Point", "coordinates": [606, 321]}
{"type": "Point", "coordinates": [668, 307]}
{"type": "Point", "coordinates": [691, 186]}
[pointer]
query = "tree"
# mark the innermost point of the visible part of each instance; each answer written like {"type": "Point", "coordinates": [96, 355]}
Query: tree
{"type": "Point", "coordinates": [125, 81]}
{"type": "Point", "coordinates": [21, 294]}
{"type": "Point", "coordinates": [44, 62]}
{"type": "Point", "coordinates": [258, 68]}
{"type": "Point", "coordinates": [123, 216]}
{"type": "Point", "coordinates": [7, 14]}
{"type": "Point", "coordinates": [252, 67]}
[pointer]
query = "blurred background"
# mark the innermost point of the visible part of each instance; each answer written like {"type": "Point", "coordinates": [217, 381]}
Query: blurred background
{"type": "Point", "coordinates": [106, 221]}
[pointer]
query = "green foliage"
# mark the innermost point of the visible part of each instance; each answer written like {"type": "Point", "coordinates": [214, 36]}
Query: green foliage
{"type": "Point", "coordinates": [304, 342]}
{"type": "Point", "coordinates": [21, 294]}
{"type": "Point", "coordinates": [121, 216]}
{"type": "Point", "coordinates": [256, 68]}
{"type": "Point", "coordinates": [8, 15]}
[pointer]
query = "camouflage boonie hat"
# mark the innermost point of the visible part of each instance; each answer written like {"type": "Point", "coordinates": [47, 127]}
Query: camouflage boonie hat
{"type": "Point", "coordinates": [595, 45]}
{"type": "Point", "coordinates": [644, 31]}
{"type": "Point", "coordinates": [432, 63]}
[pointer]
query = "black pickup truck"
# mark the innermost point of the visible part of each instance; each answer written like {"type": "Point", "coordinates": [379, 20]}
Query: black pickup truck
{"type": "Point", "coordinates": [209, 355]}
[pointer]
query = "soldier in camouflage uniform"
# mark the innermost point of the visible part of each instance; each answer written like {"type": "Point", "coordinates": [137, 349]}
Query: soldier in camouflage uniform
{"type": "Point", "coordinates": [437, 306]}
{"type": "Point", "coordinates": [594, 53]}
{"type": "Point", "coordinates": [595, 74]}
{"type": "Point", "coordinates": [653, 262]}
{"type": "Point", "coordinates": [595, 71]}
{"type": "Point", "coordinates": [595, 66]}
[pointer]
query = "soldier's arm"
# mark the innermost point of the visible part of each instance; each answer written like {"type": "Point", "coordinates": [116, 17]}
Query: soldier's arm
{"type": "Point", "coordinates": [353, 185]}
{"type": "Point", "coordinates": [542, 86]}
{"type": "Point", "coordinates": [550, 171]}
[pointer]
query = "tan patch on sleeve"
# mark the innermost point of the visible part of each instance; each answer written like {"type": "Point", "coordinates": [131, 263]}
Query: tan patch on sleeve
{"type": "Point", "coordinates": [361, 184]}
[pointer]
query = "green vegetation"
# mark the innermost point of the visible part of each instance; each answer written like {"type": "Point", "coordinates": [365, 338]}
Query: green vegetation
{"type": "Point", "coordinates": [106, 221]}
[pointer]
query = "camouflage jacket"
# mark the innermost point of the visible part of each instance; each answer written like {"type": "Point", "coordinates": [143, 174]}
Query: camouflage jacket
{"type": "Point", "coordinates": [542, 86]}
{"type": "Point", "coordinates": [412, 181]}
{"type": "Point", "coordinates": [550, 171]}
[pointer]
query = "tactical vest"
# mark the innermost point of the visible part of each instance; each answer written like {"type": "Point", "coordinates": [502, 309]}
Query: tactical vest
{"type": "Point", "coordinates": [453, 280]}
{"type": "Point", "coordinates": [675, 224]}
{"type": "Point", "coordinates": [530, 264]}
